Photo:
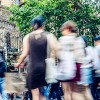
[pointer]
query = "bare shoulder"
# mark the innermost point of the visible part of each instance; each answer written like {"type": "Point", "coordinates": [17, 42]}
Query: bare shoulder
{"type": "Point", "coordinates": [26, 37]}
{"type": "Point", "coordinates": [51, 36]}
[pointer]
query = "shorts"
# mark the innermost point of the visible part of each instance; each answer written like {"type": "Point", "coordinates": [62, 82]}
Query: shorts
{"type": "Point", "coordinates": [86, 76]}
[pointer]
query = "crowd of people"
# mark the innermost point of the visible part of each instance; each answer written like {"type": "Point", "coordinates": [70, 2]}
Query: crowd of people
{"type": "Point", "coordinates": [77, 67]}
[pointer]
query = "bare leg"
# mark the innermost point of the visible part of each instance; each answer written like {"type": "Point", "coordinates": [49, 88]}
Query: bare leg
{"type": "Point", "coordinates": [88, 93]}
{"type": "Point", "coordinates": [41, 96]}
{"type": "Point", "coordinates": [81, 92]}
{"type": "Point", "coordinates": [77, 92]}
{"type": "Point", "coordinates": [66, 90]}
{"type": "Point", "coordinates": [35, 94]}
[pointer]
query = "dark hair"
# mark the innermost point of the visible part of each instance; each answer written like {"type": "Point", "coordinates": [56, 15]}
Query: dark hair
{"type": "Point", "coordinates": [97, 38]}
{"type": "Point", "coordinates": [72, 26]}
{"type": "Point", "coordinates": [37, 22]}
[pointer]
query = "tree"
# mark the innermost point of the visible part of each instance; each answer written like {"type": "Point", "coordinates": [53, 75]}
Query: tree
{"type": "Point", "coordinates": [57, 12]}
{"type": "Point", "coordinates": [95, 3]}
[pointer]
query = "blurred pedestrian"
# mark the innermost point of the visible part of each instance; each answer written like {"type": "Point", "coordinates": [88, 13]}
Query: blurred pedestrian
{"type": "Point", "coordinates": [71, 55]}
{"type": "Point", "coordinates": [35, 45]}
{"type": "Point", "coordinates": [2, 76]}
{"type": "Point", "coordinates": [94, 86]}
{"type": "Point", "coordinates": [97, 44]}
{"type": "Point", "coordinates": [87, 67]}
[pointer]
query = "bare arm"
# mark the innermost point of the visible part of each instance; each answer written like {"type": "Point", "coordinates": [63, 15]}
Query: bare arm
{"type": "Point", "coordinates": [54, 45]}
{"type": "Point", "coordinates": [25, 52]}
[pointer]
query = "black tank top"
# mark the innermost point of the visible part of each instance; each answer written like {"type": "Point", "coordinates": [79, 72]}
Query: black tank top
{"type": "Point", "coordinates": [37, 51]}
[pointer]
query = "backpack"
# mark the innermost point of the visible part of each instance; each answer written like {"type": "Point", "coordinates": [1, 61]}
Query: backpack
{"type": "Point", "coordinates": [2, 63]}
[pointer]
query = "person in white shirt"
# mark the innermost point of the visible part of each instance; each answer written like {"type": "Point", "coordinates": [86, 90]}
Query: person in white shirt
{"type": "Point", "coordinates": [97, 69]}
{"type": "Point", "coordinates": [70, 54]}
{"type": "Point", "coordinates": [91, 61]}
{"type": "Point", "coordinates": [97, 44]}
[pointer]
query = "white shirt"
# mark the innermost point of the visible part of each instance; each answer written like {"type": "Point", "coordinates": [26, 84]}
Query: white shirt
{"type": "Point", "coordinates": [98, 49]}
{"type": "Point", "coordinates": [74, 45]}
{"type": "Point", "coordinates": [91, 59]}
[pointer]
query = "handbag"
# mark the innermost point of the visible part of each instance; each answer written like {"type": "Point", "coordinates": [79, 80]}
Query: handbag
{"type": "Point", "coordinates": [15, 82]}
{"type": "Point", "coordinates": [66, 68]}
{"type": "Point", "coordinates": [51, 67]}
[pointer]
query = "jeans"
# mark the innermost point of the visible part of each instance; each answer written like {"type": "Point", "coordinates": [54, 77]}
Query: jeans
{"type": "Point", "coordinates": [94, 87]}
{"type": "Point", "coordinates": [86, 76]}
{"type": "Point", "coordinates": [2, 92]}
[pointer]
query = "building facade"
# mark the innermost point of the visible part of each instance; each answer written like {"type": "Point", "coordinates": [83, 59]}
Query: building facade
{"type": "Point", "coordinates": [10, 2]}
{"type": "Point", "coordinates": [9, 34]}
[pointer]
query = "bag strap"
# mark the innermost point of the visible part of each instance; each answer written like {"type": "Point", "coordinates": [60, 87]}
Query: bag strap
{"type": "Point", "coordinates": [48, 47]}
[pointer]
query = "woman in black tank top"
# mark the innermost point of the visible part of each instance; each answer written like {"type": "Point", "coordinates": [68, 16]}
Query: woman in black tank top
{"type": "Point", "coordinates": [35, 45]}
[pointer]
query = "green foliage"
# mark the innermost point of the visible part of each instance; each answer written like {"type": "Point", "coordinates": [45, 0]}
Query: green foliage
{"type": "Point", "coordinates": [57, 12]}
